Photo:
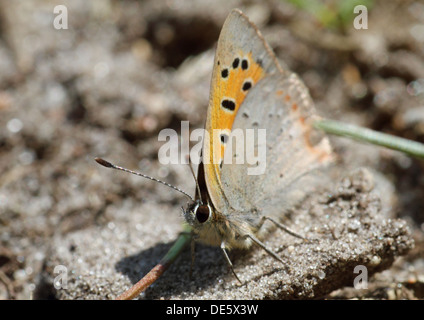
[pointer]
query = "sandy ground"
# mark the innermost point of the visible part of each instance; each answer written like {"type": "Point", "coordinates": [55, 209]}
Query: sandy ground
{"type": "Point", "coordinates": [123, 71]}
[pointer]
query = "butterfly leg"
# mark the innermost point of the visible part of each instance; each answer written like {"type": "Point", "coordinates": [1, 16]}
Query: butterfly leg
{"type": "Point", "coordinates": [283, 227]}
{"type": "Point", "coordinates": [229, 261]}
{"type": "Point", "coordinates": [263, 246]}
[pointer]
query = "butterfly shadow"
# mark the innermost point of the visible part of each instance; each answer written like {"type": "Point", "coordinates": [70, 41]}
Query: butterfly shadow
{"type": "Point", "coordinates": [210, 267]}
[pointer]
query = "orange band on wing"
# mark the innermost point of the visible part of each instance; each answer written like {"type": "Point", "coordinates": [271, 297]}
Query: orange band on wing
{"type": "Point", "coordinates": [232, 84]}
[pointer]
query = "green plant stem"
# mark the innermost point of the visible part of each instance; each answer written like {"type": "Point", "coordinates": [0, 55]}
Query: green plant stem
{"type": "Point", "coordinates": [179, 245]}
{"type": "Point", "coordinates": [409, 147]}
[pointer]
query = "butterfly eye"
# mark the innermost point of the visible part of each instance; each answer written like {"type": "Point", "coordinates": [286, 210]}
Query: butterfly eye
{"type": "Point", "coordinates": [203, 213]}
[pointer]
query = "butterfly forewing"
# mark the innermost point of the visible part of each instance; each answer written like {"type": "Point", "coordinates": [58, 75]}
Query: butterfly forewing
{"type": "Point", "coordinates": [242, 59]}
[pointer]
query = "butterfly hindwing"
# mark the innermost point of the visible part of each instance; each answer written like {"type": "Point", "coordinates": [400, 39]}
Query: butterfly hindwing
{"type": "Point", "coordinates": [282, 106]}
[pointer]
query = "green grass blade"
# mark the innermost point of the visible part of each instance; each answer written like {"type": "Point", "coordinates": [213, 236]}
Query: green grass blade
{"type": "Point", "coordinates": [179, 245]}
{"type": "Point", "coordinates": [412, 148]}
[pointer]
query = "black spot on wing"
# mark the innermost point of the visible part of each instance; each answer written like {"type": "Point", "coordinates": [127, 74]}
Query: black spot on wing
{"type": "Point", "coordinates": [224, 138]}
{"type": "Point", "coordinates": [236, 63]}
{"type": "Point", "coordinates": [228, 104]}
{"type": "Point", "coordinates": [224, 73]}
{"type": "Point", "coordinates": [247, 85]}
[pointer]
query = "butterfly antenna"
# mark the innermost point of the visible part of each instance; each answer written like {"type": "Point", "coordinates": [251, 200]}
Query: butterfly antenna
{"type": "Point", "coordinates": [107, 164]}
{"type": "Point", "coordinates": [195, 179]}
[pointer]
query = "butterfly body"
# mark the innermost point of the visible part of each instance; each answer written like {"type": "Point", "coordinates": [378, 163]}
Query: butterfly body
{"type": "Point", "coordinates": [229, 228]}
{"type": "Point", "coordinates": [213, 227]}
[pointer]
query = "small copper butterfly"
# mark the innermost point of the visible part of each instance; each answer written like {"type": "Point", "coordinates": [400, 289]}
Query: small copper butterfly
{"type": "Point", "coordinates": [250, 89]}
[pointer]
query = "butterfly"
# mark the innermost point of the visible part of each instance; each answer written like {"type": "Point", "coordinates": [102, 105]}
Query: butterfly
{"type": "Point", "coordinates": [251, 90]}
